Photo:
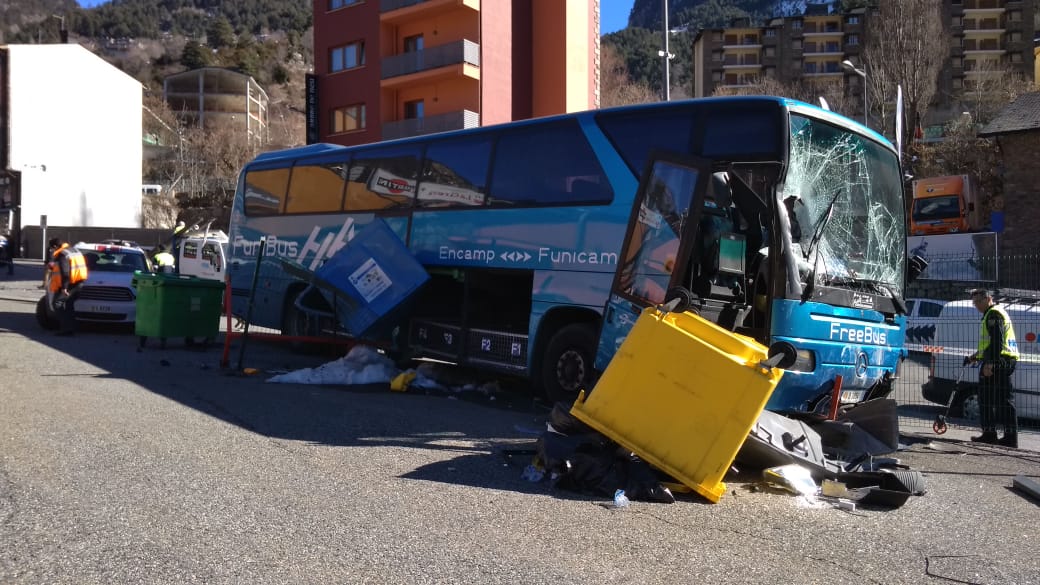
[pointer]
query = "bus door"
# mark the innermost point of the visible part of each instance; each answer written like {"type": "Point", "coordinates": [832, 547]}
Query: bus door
{"type": "Point", "coordinates": [667, 208]}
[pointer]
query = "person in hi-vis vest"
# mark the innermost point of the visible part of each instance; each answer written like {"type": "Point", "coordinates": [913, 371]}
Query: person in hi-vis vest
{"type": "Point", "coordinates": [68, 271]}
{"type": "Point", "coordinates": [998, 352]}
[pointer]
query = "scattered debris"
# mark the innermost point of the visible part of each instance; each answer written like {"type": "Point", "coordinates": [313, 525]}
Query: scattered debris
{"type": "Point", "coordinates": [1027, 485]}
{"type": "Point", "coordinates": [791, 477]}
{"type": "Point", "coordinates": [362, 365]}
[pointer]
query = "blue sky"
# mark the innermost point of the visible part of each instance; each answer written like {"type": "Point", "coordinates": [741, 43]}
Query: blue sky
{"type": "Point", "coordinates": [613, 13]}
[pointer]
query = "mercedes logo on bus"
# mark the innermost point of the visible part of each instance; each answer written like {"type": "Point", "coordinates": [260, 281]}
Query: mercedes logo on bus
{"type": "Point", "coordinates": [861, 365]}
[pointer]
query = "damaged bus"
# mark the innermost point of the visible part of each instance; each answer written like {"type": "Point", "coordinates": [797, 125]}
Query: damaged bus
{"type": "Point", "coordinates": [544, 238]}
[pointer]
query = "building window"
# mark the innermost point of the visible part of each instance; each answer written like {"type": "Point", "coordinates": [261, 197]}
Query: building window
{"type": "Point", "coordinates": [347, 57]}
{"type": "Point", "coordinates": [957, 83]}
{"type": "Point", "coordinates": [413, 44]}
{"type": "Point", "coordinates": [770, 51]}
{"type": "Point", "coordinates": [810, 67]}
{"type": "Point", "coordinates": [852, 40]}
{"type": "Point", "coordinates": [770, 32]}
{"type": "Point", "coordinates": [796, 24]}
{"type": "Point", "coordinates": [716, 56]}
{"type": "Point", "coordinates": [716, 76]}
{"type": "Point", "coordinates": [956, 21]}
{"type": "Point", "coordinates": [1016, 37]}
{"type": "Point", "coordinates": [956, 61]}
{"type": "Point", "coordinates": [1015, 15]}
{"type": "Point", "coordinates": [336, 4]}
{"type": "Point", "coordinates": [348, 119]}
{"type": "Point", "coordinates": [1016, 57]}
{"type": "Point", "coordinates": [853, 20]}
{"type": "Point", "coordinates": [413, 109]}
{"type": "Point", "coordinates": [770, 72]}
{"type": "Point", "coordinates": [796, 44]}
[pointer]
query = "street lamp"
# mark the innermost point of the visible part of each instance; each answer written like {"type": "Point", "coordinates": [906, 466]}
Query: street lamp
{"type": "Point", "coordinates": [665, 54]}
{"type": "Point", "coordinates": [849, 67]}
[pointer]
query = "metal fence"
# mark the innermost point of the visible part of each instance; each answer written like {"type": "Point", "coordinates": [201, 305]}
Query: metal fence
{"type": "Point", "coordinates": [944, 327]}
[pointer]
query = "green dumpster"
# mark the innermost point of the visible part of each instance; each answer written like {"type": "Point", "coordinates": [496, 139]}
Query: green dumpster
{"type": "Point", "coordinates": [173, 305]}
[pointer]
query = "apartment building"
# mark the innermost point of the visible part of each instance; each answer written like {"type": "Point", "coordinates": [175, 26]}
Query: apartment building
{"type": "Point", "coordinates": [986, 36]}
{"type": "Point", "coordinates": [394, 68]}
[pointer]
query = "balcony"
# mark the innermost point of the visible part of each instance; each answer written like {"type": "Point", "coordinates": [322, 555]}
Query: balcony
{"type": "Point", "coordinates": [987, 26]}
{"type": "Point", "coordinates": [986, 46]}
{"type": "Point", "coordinates": [457, 53]}
{"type": "Point", "coordinates": [430, 124]}
{"type": "Point", "coordinates": [823, 32]}
{"type": "Point", "coordinates": [747, 42]}
{"type": "Point", "coordinates": [391, 5]}
{"type": "Point", "coordinates": [400, 11]}
{"type": "Point", "coordinates": [983, 6]}
{"type": "Point", "coordinates": [810, 49]}
{"type": "Point", "coordinates": [746, 65]}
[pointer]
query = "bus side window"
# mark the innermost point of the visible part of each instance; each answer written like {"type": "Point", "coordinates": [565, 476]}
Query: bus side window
{"type": "Point", "coordinates": [316, 188]}
{"type": "Point", "coordinates": [383, 178]}
{"type": "Point", "coordinates": [455, 173]}
{"type": "Point", "coordinates": [265, 191]}
{"type": "Point", "coordinates": [540, 166]}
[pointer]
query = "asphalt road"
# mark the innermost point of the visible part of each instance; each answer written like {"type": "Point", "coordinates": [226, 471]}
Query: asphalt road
{"type": "Point", "coordinates": [159, 467]}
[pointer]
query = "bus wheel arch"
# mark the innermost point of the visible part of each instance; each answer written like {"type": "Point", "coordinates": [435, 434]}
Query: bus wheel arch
{"type": "Point", "coordinates": [565, 353]}
{"type": "Point", "coordinates": [295, 322]}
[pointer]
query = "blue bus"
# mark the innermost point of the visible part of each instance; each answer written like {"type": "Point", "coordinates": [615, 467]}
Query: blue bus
{"type": "Point", "coordinates": [543, 238]}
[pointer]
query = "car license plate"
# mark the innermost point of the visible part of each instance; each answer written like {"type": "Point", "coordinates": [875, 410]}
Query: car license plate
{"type": "Point", "coordinates": [97, 309]}
{"type": "Point", "coordinates": [852, 395]}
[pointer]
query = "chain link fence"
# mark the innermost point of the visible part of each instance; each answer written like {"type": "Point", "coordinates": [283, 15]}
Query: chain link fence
{"type": "Point", "coordinates": [943, 327]}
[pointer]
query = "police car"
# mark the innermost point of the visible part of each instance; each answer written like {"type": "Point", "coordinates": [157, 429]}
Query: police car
{"type": "Point", "coordinates": [107, 295]}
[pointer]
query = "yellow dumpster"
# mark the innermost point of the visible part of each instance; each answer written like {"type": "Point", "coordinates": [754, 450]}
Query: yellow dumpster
{"type": "Point", "coordinates": [682, 393]}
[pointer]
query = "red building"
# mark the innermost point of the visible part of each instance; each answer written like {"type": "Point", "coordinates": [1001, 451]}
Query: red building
{"type": "Point", "coordinates": [394, 68]}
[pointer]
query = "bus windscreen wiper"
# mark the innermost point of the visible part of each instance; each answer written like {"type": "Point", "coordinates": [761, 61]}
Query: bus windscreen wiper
{"type": "Point", "coordinates": [817, 236]}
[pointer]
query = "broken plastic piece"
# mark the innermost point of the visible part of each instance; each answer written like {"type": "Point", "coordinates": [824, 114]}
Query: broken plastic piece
{"type": "Point", "coordinates": [792, 477]}
{"type": "Point", "coordinates": [400, 383]}
{"type": "Point", "coordinates": [620, 499]}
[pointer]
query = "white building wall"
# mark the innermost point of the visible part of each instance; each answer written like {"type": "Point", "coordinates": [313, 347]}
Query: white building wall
{"type": "Point", "coordinates": [75, 128]}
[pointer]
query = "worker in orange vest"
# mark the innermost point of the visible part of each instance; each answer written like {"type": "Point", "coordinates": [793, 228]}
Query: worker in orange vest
{"type": "Point", "coordinates": [68, 271]}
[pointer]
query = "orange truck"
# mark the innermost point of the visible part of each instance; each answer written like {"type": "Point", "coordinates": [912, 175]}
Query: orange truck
{"type": "Point", "coordinates": [944, 205]}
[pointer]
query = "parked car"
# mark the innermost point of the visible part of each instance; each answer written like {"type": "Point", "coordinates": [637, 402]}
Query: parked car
{"type": "Point", "coordinates": [107, 296]}
{"type": "Point", "coordinates": [957, 336]}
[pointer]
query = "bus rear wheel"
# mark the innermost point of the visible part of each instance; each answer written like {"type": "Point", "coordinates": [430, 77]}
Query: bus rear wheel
{"type": "Point", "coordinates": [566, 367]}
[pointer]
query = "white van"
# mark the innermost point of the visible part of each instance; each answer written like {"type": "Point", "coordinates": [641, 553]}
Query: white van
{"type": "Point", "coordinates": [957, 336]}
{"type": "Point", "coordinates": [203, 254]}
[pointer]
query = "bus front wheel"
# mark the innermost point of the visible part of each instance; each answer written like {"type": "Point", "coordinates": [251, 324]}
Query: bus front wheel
{"type": "Point", "coordinates": [567, 363]}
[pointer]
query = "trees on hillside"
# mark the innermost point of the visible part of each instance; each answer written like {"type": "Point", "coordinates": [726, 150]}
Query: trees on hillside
{"type": "Point", "coordinates": [802, 89]}
{"type": "Point", "coordinates": [906, 46]}
{"type": "Point", "coordinates": [616, 87]}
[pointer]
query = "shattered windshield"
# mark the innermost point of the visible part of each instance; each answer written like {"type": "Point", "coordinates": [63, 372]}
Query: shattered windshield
{"type": "Point", "coordinates": [845, 204]}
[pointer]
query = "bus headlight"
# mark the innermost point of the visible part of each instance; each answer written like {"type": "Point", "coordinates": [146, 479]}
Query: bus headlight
{"type": "Point", "coordinates": [795, 360]}
{"type": "Point", "coordinates": [806, 361]}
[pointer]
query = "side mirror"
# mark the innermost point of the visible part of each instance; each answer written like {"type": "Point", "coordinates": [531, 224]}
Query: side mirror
{"type": "Point", "coordinates": [678, 300]}
{"type": "Point", "coordinates": [782, 355]}
{"type": "Point", "coordinates": [914, 267]}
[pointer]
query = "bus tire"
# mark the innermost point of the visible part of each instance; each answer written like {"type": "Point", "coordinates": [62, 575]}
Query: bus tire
{"type": "Point", "coordinates": [295, 323]}
{"type": "Point", "coordinates": [567, 364]}
{"type": "Point", "coordinates": [44, 316]}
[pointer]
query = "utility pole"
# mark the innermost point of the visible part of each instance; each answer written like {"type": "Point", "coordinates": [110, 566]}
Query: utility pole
{"type": "Point", "coordinates": [665, 54]}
